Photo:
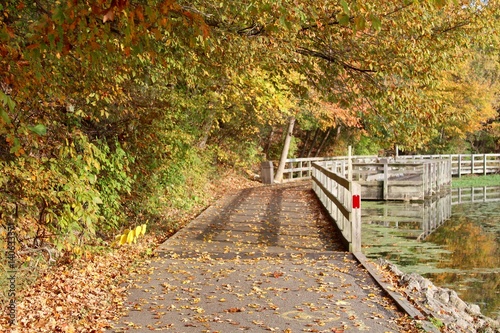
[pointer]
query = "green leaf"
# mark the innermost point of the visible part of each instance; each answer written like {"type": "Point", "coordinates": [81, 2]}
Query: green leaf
{"type": "Point", "coordinates": [6, 100]}
{"type": "Point", "coordinates": [345, 7]}
{"type": "Point", "coordinates": [343, 19]}
{"type": "Point", "coordinates": [4, 116]}
{"type": "Point", "coordinates": [440, 3]}
{"type": "Point", "coordinates": [38, 129]}
{"type": "Point", "coordinates": [376, 24]}
{"type": "Point", "coordinates": [359, 23]}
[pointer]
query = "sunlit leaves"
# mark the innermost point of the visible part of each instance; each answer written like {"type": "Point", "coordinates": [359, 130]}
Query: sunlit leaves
{"type": "Point", "coordinates": [130, 236]}
{"type": "Point", "coordinates": [38, 129]}
{"type": "Point", "coordinates": [180, 86]}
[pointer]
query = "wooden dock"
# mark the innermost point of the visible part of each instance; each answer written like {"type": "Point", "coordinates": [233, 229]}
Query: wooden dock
{"type": "Point", "coordinates": [387, 179]}
{"type": "Point", "coordinates": [406, 178]}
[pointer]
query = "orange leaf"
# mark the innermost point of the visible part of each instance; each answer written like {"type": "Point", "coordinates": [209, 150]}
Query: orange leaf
{"type": "Point", "coordinates": [109, 16]}
{"type": "Point", "coordinates": [277, 274]}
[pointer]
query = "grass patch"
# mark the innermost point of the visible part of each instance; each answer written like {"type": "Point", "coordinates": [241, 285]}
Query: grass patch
{"type": "Point", "coordinates": [436, 322]}
{"type": "Point", "coordinates": [476, 181]}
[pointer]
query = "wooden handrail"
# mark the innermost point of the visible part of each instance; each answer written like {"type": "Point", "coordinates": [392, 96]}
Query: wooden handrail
{"type": "Point", "coordinates": [461, 164]}
{"type": "Point", "coordinates": [340, 196]}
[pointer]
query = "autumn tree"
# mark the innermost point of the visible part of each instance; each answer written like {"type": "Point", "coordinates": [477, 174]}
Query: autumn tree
{"type": "Point", "coordinates": [113, 111]}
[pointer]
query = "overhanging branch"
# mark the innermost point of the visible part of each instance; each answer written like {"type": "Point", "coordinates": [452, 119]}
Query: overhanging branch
{"type": "Point", "coordinates": [330, 58]}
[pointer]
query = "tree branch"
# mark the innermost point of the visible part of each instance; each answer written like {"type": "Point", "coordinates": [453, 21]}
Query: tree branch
{"type": "Point", "coordinates": [311, 26]}
{"type": "Point", "coordinates": [454, 27]}
{"type": "Point", "coordinates": [49, 250]}
{"type": "Point", "coordinates": [329, 58]}
{"type": "Point", "coordinates": [252, 30]}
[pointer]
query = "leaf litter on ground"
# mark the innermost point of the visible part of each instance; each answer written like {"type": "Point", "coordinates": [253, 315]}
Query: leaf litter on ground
{"type": "Point", "coordinates": [88, 294]}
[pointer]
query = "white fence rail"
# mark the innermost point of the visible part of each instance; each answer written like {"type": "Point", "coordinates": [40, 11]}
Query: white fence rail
{"type": "Point", "coordinates": [465, 164]}
{"type": "Point", "coordinates": [342, 199]}
{"type": "Point", "coordinates": [301, 168]}
{"type": "Point", "coordinates": [461, 164]}
{"type": "Point", "coordinates": [402, 180]}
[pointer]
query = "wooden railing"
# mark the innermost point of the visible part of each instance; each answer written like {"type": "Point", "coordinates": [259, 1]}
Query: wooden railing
{"type": "Point", "coordinates": [301, 168]}
{"type": "Point", "coordinates": [402, 180]}
{"type": "Point", "coordinates": [465, 164]}
{"type": "Point", "coordinates": [342, 199]}
{"type": "Point", "coordinates": [461, 164]}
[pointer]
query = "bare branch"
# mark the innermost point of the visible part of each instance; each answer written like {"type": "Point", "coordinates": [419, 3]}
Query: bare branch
{"type": "Point", "coordinates": [49, 251]}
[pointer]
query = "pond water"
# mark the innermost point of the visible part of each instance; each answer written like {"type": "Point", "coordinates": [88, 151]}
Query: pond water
{"type": "Point", "coordinates": [455, 246]}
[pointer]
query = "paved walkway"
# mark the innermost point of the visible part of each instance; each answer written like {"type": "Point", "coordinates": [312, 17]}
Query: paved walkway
{"type": "Point", "coordinates": [264, 259]}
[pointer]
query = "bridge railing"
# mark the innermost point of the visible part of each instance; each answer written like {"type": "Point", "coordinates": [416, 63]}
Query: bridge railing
{"type": "Point", "coordinates": [465, 164]}
{"type": "Point", "coordinates": [461, 164]}
{"type": "Point", "coordinates": [301, 168]}
{"type": "Point", "coordinates": [342, 199]}
{"type": "Point", "coordinates": [402, 180]}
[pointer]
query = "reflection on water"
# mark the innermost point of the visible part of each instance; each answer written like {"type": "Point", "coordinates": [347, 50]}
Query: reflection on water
{"type": "Point", "coordinates": [455, 246]}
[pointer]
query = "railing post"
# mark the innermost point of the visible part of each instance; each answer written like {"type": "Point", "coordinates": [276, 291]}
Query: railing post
{"type": "Point", "coordinates": [386, 180]}
{"type": "Point", "coordinates": [450, 173]}
{"type": "Point", "coordinates": [459, 165]}
{"type": "Point", "coordinates": [438, 176]}
{"type": "Point", "coordinates": [484, 164]}
{"type": "Point", "coordinates": [355, 222]}
{"type": "Point", "coordinates": [349, 164]}
{"type": "Point", "coordinates": [471, 164]}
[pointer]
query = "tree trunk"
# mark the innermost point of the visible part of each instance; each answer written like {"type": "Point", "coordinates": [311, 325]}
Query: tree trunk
{"type": "Point", "coordinates": [323, 142]}
{"type": "Point", "coordinates": [207, 126]}
{"type": "Point", "coordinates": [304, 147]}
{"type": "Point", "coordinates": [278, 178]}
{"type": "Point", "coordinates": [268, 143]}
{"type": "Point", "coordinates": [313, 142]}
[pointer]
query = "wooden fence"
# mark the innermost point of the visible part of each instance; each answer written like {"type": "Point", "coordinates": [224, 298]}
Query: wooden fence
{"type": "Point", "coordinates": [381, 178]}
{"type": "Point", "coordinates": [301, 168]}
{"type": "Point", "coordinates": [336, 182]}
{"type": "Point", "coordinates": [465, 164]}
{"type": "Point", "coordinates": [406, 180]}
{"type": "Point", "coordinates": [461, 164]}
{"type": "Point", "coordinates": [342, 199]}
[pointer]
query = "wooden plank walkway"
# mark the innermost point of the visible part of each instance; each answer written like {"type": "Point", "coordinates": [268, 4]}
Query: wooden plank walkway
{"type": "Point", "coordinates": [263, 259]}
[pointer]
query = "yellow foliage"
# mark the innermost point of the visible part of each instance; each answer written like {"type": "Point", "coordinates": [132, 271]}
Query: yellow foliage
{"type": "Point", "coordinates": [123, 239]}
{"type": "Point", "coordinates": [129, 236]}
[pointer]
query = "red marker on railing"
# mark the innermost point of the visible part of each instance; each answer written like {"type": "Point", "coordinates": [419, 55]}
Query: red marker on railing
{"type": "Point", "coordinates": [356, 201]}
